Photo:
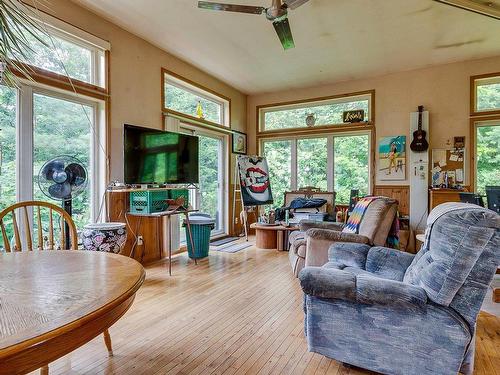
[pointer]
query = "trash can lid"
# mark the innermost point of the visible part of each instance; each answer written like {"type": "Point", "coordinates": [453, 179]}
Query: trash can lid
{"type": "Point", "coordinates": [200, 219]}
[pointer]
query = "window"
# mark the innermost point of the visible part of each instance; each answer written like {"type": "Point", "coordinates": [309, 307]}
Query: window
{"type": "Point", "coordinates": [279, 162]}
{"type": "Point", "coordinates": [61, 127]}
{"type": "Point", "coordinates": [194, 102]}
{"type": "Point", "coordinates": [312, 162]}
{"type": "Point", "coordinates": [64, 53]}
{"type": "Point", "coordinates": [351, 168]}
{"type": "Point", "coordinates": [323, 111]}
{"type": "Point", "coordinates": [486, 94]}
{"type": "Point", "coordinates": [339, 162]}
{"type": "Point", "coordinates": [8, 115]}
{"type": "Point", "coordinates": [487, 162]}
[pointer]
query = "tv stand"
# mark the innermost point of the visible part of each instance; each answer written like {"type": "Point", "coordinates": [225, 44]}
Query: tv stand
{"type": "Point", "coordinates": [153, 228]}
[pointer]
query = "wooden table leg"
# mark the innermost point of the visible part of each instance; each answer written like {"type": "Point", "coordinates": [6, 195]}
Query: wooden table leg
{"type": "Point", "coordinates": [280, 236]}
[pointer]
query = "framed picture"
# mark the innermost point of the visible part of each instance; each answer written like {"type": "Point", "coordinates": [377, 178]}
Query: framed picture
{"type": "Point", "coordinates": [392, 158]}
{"type": "Point", "coordinates": [239, 143]}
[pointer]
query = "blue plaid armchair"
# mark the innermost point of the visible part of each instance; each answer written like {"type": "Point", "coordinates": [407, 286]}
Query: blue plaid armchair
{"type": "Point", "coordinates": [396, 313]}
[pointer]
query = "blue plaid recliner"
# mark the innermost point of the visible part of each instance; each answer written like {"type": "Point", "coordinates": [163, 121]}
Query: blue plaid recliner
{"type": "Point", "coordinates": [396, 313]}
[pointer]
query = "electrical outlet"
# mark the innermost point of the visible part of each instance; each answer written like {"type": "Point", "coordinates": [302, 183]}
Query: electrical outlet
{"type": "Point", "coordinates": [140, 240]}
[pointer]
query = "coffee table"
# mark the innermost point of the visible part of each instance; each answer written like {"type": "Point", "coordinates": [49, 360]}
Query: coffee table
{"type": "Point", "coordinates": [272, 236]}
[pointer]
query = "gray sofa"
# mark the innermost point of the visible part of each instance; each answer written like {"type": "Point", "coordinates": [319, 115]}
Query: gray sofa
{"type": "Point", "coordinates": [397, 313]}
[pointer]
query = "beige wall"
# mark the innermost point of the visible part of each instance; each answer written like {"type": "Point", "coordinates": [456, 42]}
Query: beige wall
{"type": "Point", "coordinates": [135, 78]}
{"type": "Point", "coordinates": [443, 90]}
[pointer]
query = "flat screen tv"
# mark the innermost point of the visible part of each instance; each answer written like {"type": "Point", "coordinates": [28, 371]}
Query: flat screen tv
{"type": "Point", "coordinates": [153, 156]}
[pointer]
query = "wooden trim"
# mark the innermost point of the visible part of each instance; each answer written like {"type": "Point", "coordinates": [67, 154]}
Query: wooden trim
{"type": "Point", "coordinates": [472, 143]}
{"type": "Point", "coordinates": [199, 86]}
{"type": "Point", "coordinates": [399, 192]}
{"type": "Point", "coordinates": [63, 82]}
{"type": "Point", "coordinates": [326, 129]}
{"type": "Point", "coordinates": [203, 124]}
{"type": "Point", "coordinates": [310, 100]}
{"type": "Point", "coordinates": [473, 112]}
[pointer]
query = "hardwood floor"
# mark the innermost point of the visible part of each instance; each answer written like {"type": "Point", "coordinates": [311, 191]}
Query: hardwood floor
{"type": "Point", "coordinates": [230, 314]}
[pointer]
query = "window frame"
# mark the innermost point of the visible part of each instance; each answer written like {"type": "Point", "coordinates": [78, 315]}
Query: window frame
{"type": "Point", "coordinates": [495, 77]}
{"type": "Point", "coordinates": [307, 103]}
{"type": "Point", "coordinates": [474, 124]}
{"type": "Point", "coordinates": [330, 138]}
{"type": "Point", "coordinates": [199, 90]}
{"type": "Point", "coordinates": [25, 127]}
{"type": "Point", "coordinates": [99, 48]}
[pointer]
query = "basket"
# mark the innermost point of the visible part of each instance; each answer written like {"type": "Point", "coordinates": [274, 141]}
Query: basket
{"type": "Point", "coordinates": [148, 202]}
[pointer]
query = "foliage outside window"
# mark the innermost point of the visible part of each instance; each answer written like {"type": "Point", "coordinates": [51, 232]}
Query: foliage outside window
{"type": "Point", "coordinates": [61, 53]}
{"type": "Point", "coordinates": [351, 171]}
{"type": "Point", "coordinates": [350, 155]}
{"type": "Point", "coordinates": [312, 160]}
{"type": "Point", "coordinates": [487, 155]}
{"type": "Point", "coordinates": [487, 94]}
{"type": "Point", "coordinates": [325, 112]}
{"type": "Point", "coordinates": [279, 161]}
{"type": "Point", "coordinates": [61, 128]}
{"type": "Point", "coordinates": [184, 98]}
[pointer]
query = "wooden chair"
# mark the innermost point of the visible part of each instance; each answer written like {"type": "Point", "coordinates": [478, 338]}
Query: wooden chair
{"type": "Point", "coordinates": [57, 224]}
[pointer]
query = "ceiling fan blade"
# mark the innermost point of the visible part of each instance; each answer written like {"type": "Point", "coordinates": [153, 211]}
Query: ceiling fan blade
{"type": "Point", "coordinates": [489, 9]}
{"type": "Point", "coordinates": [294, 4]}
{"type": "Point", "coordinates": [231, 7]}
{"type": "Point", "coordinates": [282, 28]}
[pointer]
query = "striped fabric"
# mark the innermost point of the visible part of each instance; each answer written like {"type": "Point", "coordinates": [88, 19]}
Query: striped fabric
{"type": "Point", "coordinates": [352, 225]}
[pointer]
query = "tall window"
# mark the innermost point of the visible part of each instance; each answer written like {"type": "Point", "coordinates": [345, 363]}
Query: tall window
{"type": "Point", "coordinates": [8, 114]}
{"type": "Point", "coordinates": [61, 127]}
{"type": "Point", "coordinates": [351, 165]}
{"type": "Point", "coordinates": [485, 95]}
{"type": "Point", "coordinates": [39, 123]}
{"type": "Point", "coordinates": [279, 161]}
{"type": "Point", "coordinates": [315, 112]}
{"type": "Point", "coordinates": [331, 162]}
{"type": "Point", "coordinates": [191, 101]}
{"type": "Point", "coordinates": [487, 163]}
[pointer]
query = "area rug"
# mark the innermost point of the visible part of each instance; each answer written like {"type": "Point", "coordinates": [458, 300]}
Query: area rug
{"type": "Point", "coordinates": [233, 248]}
{"type": "Point", "coordinates": [223, 241]}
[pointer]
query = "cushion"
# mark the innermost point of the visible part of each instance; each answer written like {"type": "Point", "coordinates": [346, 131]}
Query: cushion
{"type": "Point", "coordinates": [373, 218]}
{"type": "Point", "coordinates": [454, 243]}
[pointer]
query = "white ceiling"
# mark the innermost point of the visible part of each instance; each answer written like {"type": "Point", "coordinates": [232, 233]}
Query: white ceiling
{"type": "Point", "coordinates": [335, 40]}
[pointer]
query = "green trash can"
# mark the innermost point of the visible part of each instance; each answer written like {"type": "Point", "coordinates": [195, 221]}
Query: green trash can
{"type": "Point", "coordinates": [201, 226]}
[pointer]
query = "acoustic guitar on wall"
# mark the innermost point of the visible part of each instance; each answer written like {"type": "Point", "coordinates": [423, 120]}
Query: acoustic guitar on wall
{"type": "Point", "coordinates": [419, 143]}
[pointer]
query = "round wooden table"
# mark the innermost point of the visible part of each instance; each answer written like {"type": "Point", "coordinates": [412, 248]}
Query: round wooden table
{"type": "Point", "coordinates": [272, 236]}
{"type": "Point", "coordinates": [52, 302]}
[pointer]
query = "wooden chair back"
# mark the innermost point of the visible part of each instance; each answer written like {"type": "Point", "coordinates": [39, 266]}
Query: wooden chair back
{"type": "Point", "coordinates": [55, 224]}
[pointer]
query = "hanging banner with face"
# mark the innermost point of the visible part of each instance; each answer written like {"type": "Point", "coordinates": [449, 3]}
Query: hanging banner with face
{"type": "Point", "coordinates": [254, 179]}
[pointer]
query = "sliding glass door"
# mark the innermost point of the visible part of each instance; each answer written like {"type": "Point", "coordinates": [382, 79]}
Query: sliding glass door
{"type": "Point", "coordinates": [210, 198]}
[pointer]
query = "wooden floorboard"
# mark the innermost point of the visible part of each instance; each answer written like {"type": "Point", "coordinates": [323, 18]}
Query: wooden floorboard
{"type": "Point", "coordinates": [235, 313]}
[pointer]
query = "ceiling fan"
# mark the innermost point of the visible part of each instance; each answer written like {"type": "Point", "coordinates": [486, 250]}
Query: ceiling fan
{"type": "Point", "coordinates": [277, 13]}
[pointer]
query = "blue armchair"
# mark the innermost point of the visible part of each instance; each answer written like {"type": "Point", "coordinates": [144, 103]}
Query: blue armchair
{"type": "Point", "coordinates": [395, 313]}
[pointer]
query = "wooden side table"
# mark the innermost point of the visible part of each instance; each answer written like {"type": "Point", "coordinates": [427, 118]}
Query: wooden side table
{"type": "Point", "coordinates": [272, 236]}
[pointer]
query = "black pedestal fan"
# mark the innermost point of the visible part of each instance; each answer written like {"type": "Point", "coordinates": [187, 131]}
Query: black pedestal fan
{"type": "Point", "coordinates": [63, 178]}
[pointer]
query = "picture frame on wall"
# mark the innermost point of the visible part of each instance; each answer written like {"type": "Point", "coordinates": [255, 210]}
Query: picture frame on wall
{"type": "Point", "coordinates": [392, 158]}
{"type": "Point", "coordinates": [239, 142]}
